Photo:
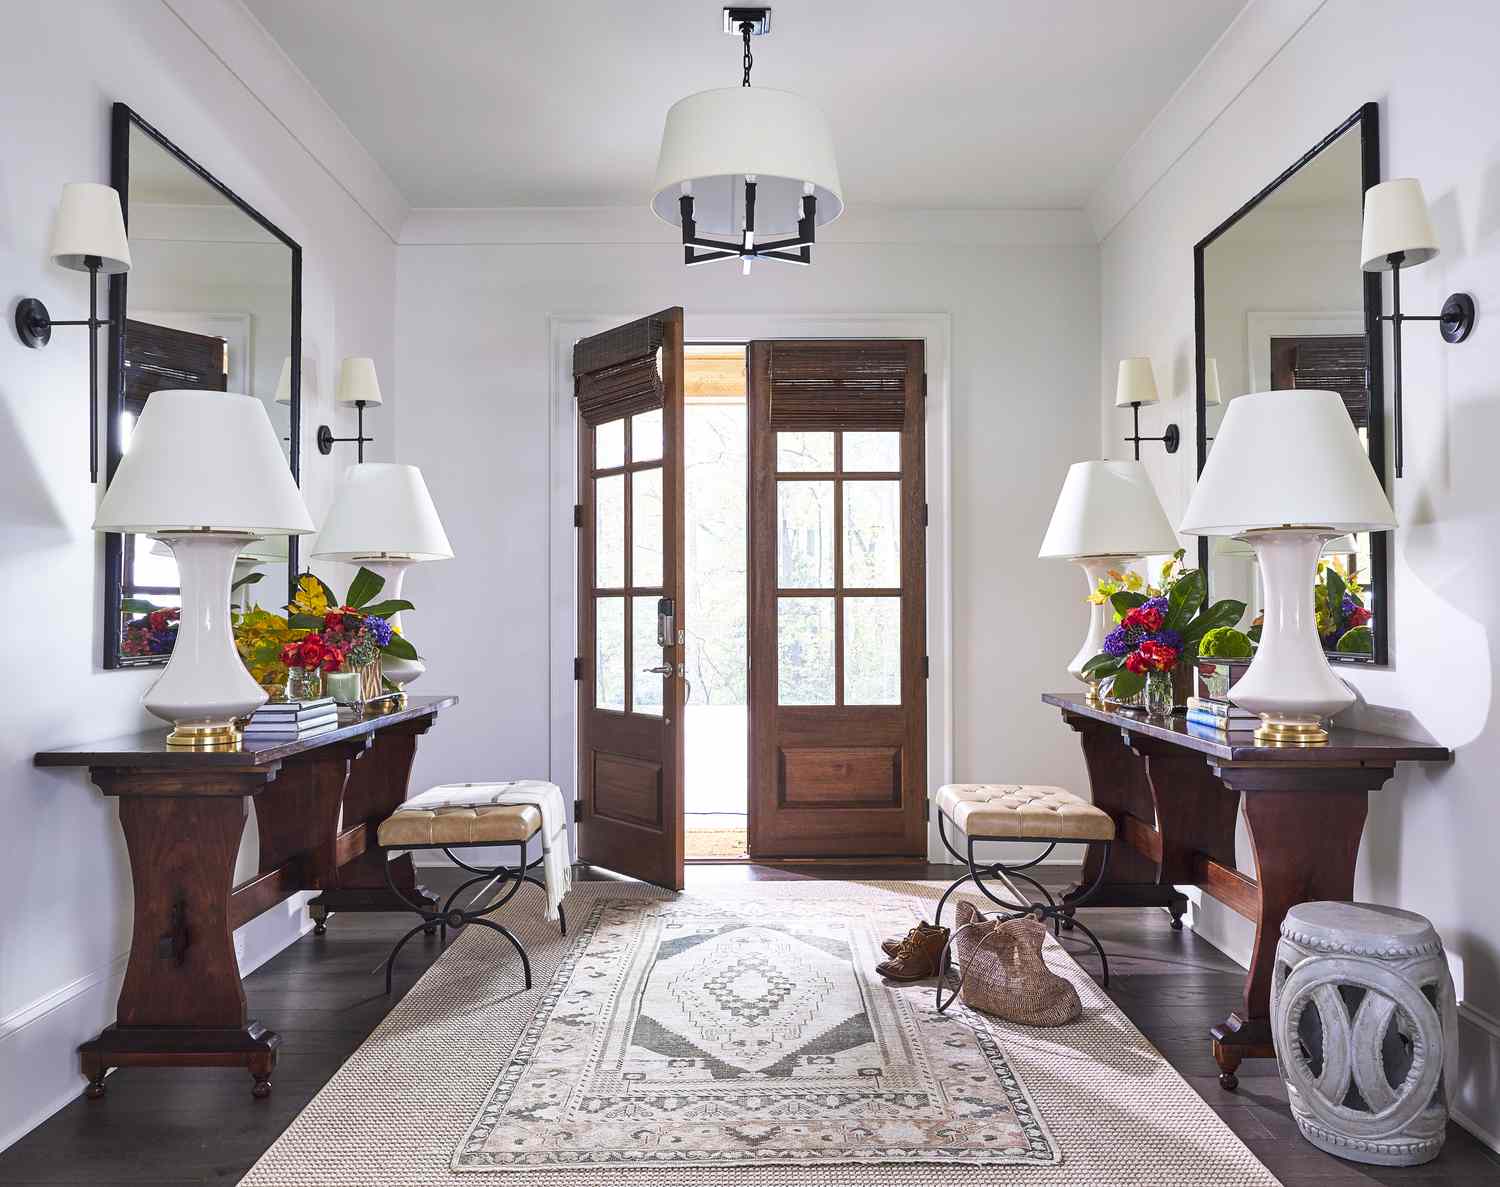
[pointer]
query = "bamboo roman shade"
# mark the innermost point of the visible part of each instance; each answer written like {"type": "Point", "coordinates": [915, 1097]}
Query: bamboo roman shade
{"type": "Point", "coordinates": [618, 373]}
{"type": "Point", "coordinates": [841, 384]}
{"type": "Point", "coordinates": [1330, 364]}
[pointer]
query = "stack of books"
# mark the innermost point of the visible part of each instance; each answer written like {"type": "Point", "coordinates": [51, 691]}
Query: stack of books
{"type": "Point", "coordinates": [290, 721]}
{"type": "Point", "coordinates": [1216, 714]}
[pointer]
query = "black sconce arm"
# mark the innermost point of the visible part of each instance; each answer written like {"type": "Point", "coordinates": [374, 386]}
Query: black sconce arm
{"type": "Point", "coordinates": [1171, 438]}
{"type": "Point", "coordinates": [326, 439]}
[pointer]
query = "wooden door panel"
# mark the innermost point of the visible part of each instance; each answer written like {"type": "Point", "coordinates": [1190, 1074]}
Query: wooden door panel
{"type": "Point", "coordinates": [839, 770]}
{"type": "Point", "coordinates": [630, 721]}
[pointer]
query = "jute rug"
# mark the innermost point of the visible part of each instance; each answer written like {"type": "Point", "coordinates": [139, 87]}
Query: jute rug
{"type": "Point", "coordinates": [714, 1037]}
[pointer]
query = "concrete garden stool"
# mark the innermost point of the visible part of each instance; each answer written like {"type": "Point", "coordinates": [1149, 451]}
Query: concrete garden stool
{"type": "Point", "coordinates": [459, 825]}
{"type": "Point", "coordinates": [1017, 812]}
{"type": "Point", "coordinates": [1363, 1018]}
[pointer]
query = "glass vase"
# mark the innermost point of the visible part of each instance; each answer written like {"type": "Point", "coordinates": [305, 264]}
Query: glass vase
{"type": "Point", "coordinates": [303, 684]}
{"type": "Point", "coordinates": [1160, 698]}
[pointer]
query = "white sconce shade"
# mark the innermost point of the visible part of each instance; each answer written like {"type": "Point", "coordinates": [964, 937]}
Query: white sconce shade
{"type": "Point", "coordinates": [203, 461]}
{"type": "Point", "coordinates": [1107, 509]}
{"type": "Point", "coordinates": [357, 382]}
{"type": "Point", "coordinates": [715, 139]}
{"type": "Point", "coordinates": [1396, 220]}
{"type": "Point", "coordinates": [383, 510]}
{"type": "Point", "coordinates": [1211, 394]}
{"type": "Point", "coordinates": [1287, 459]}
{"type": "Point", "coordinates": [1136, 383]}
{"type": "Point", "coordinates": [284, 382]}
{"type": "Point", "coordinates": [89, 223]}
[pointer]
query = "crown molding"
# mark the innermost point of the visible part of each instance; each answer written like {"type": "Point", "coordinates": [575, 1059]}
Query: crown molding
{"type": "Point", "coordinates": [1253, 39]}
{"type": "Point", "coordinates": [230, 32]}
{"type": "Point", "coordinates": [558, 225]}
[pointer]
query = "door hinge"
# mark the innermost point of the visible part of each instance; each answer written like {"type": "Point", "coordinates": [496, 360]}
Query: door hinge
{"type": "Point", "coordinates": [577, 515]}
{"type": "Point", "coordinates": [926, 809]}
{"type": "Point", "coordinates": [926, 515]}
{"type": "Point", "coordinates": [578, 668]}
{"type": "Point", "coordinates": [577, 810]}
{"type": "Point", "coordinates": [926, 668]}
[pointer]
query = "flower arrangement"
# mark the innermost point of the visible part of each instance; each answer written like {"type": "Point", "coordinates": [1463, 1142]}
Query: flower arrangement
{"type": "Point", "coordinates": [1158, 631]}
{"type": "Point", "coordinates": [261, 637]}
{"type": "Point", "coordinates": [1339, 611]}
{"type": "Point", "coordinates": [343, 635]}
{"type": "Point", "coordinates": [153, 633]}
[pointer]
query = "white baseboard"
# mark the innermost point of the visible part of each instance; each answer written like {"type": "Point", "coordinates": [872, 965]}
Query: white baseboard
{"type": "Point", "coordinates": [39, 1071]}
{"type": "Point", "coordinates": [1474, 1101]}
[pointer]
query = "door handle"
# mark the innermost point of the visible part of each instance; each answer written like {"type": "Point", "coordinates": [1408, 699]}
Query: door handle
{"type": "Point", "coordinates": [660, 669]}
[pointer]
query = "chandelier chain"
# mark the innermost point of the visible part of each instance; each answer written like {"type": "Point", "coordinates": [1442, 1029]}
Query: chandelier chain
{"type": "Point", "coordinates": [745, 28]}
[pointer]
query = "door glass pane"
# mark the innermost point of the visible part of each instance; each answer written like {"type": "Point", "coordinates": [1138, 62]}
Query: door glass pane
{"type": "Point", "coordinates": [872, 534]}
{"type": "Point", "coordinates": [804, 651]}
{"type": "Point", "coordinates": [872, 651]}
{"type": "Point", "coordinates": [804, 451]}
{"type": "Point", "coordinates": [645, 436]}
{"type": "Point", "coordinates": [804, 535]}
{"type": "Point", "coordinates": [609, 445]}
{"type": "Point", "coordinates": [609, 653]}
{"type": "Point", "coordinates": [609, 532]}
{"type": "Point", "coordinates": [645, 527]}
{"type": "Point", "coordinates": [646, 687]}
{"type": "Point", "coordinates": [872, 451]}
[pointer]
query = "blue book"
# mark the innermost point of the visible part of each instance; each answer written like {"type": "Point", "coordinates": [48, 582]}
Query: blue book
{"type": "Point", "coordinates": [1220, 724]}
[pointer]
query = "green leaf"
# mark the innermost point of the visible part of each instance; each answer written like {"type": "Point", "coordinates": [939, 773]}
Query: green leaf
{"type": "Point", "coordinates": [401, 648]}
{"type": "Point", "coordinates": [1185, 598]}
{"type": "Point", "coordinates": [137, 606]}
{"type": "Point", "coordinates": [1126, 684]}
{"type": "Point", "coordinates": [387, 608]}
{"type": "Point", "coordinates": [1102, 665]}
{"type": "Point", "coordinates": [247, 579]}
{"type": "Point", "coordinates": [1125, 601]}
{"type": "Point", "coordinates": [1254, 633]}
{"type": "Point", "coordinates": [1337, 586]}
{"type": "Point", "coordinates": [1357, 641]}
{"type": "Point", "coordinates": [1224, 613]}
{"type": "Point", "coordinates": [366, 585]}
{"type": "Point", "coordinates": [304, 622]}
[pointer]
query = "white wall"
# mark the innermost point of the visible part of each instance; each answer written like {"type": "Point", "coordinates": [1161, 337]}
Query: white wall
{"type": "Point", "coordinates": [1433, 831]}
{"type": "Point", "coordinates": [63, 871]}
{"type": "Point", "coordinates": [475, 369]}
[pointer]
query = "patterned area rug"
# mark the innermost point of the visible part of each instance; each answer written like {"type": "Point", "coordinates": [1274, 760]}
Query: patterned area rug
{"type": "Point", "coordinates": [696, 1033]}
{"type": "Point", "coordinates": [422, 1092]}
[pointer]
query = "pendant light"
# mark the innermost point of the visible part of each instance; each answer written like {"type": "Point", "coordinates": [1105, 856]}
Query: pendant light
{"type": "Point", "coordinates": [740, 166]}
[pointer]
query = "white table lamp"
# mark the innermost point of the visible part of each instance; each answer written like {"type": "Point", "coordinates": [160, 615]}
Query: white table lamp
{"type": "Point", "coordinates": [1288, 473]}
{"type": "Point", "coordinates": [206, 476]}
{"type": "Point", "coordinates": [383, 519]}
{"type": "Point", "coordinates": [1107, 516]}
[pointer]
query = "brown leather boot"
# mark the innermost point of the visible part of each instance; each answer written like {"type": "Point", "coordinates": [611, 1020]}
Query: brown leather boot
{"type": "Point", "coordinates": [917, 933]}
{"type": "Point", "coordinates": [916, 956]}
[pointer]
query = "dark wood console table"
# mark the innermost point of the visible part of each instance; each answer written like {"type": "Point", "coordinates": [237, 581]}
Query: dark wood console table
{"type": "Point", "coordinates": [182, 813]}
{"type": "Point", "coordinates": [1174, 796]}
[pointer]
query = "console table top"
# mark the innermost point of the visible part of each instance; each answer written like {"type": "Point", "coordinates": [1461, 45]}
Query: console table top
{"type": "Point", "coordinates": [1344, 746]}
{"type": "Point", "coordinates": [148, 750]}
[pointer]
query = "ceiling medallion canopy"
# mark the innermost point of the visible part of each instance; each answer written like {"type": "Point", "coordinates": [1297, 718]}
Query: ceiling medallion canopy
{"type": "Point", "coordinates": [738, 156]}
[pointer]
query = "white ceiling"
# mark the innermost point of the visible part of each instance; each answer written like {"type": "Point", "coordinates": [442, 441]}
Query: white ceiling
{"type": "Point", "coordinates": [945, 103]}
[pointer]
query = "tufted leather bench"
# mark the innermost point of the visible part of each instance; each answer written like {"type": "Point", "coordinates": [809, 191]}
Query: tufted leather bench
{"type": "Point", "coordinates": [1018, 811]}
{"type": "Point", "coordinates": [477, 824]}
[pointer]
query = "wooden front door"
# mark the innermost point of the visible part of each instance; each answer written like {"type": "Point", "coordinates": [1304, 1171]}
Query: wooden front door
{"type": "Point", "coordinates": [628, 382]}
{"type": "Point", "coordinates": [838, 696]}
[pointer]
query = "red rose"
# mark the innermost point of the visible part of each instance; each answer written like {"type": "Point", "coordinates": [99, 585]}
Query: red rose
{"type": "Point", "coordinates": [333, 659]}
{"type": "Point", "coordinates": [291, 655]}
{"type": "Point", "coordinates": [1136, 662]}
{"type": "Point", "coordinates": [333, 620]}
{"type": "Point", "coordinates": [311, 650]}
{"type": "Point", "coordinates": [1359, 616]}
{"type": "Point", "coordinates": [1157, 656]}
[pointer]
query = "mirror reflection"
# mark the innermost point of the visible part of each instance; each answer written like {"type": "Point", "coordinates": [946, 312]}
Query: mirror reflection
{"type": "Point", "coordinates": [1284, 308]}
{"type": "Point", "coordinates": [209, 304]}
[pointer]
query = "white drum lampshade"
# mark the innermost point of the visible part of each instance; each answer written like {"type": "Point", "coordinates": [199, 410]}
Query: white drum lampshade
{"type": "Point", "coordinates": [358, 383]}
{"type": "Point", "coordinates": [1288, 472]}
{"type": "Point", "coordinates": [1106, 516]}
{"type": "Point", "coordinates": [89, 223]}
{"type": "Point", "coordinates": [205, 475]}
{"type": "Point", "coordinates": [383, 519]}
{"type": "Point", "coordinates": [1396, 220]}
{"type": "Point", "coordinates": [714, 139]}
{"type": "Point", "coordinates": [1135, 383]}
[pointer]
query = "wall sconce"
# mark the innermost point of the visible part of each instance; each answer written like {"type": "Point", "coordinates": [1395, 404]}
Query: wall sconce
{"type": "Point", "coordinates": [1136, 386]}
{"type": "Point", "coordinates": [1398, 234]}
{"type": "Point", "coordinates": [89, 236]}
{"type": "Point", "coordinates": [358, 386]}
{"type": "Point", "coordinates": [1212, 396]}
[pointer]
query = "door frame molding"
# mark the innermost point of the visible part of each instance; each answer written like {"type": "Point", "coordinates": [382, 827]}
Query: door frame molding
{"type": "Point", "coordinates": [564, 329]}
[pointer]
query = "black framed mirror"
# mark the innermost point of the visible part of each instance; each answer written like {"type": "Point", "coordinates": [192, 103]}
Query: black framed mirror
{"type": "Point", "coordinates": [213, 300]}
{"type": "Point", "coordinates": [1280, 302]}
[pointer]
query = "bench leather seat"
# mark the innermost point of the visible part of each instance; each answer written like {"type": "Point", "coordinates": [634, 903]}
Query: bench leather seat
{"type": "Point", "coordinates": [1023, 811]}
{"type": "Point", "coordinates": [454, 815]}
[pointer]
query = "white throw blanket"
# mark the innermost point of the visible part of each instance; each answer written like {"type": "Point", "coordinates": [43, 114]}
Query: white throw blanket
{"type": "Point", "coordinates": [557, 850]}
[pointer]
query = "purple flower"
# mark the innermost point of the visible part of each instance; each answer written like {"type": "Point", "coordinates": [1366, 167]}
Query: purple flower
{"type": "Point", "coordinates": [1160, 604]}
{"type": "Point", "coordinates": [1167, 637]}
{"type": "Point", "coordinates": [1348, 605]}
{"type": "Point", "coordinates": [379, 628]}
{"type": "Point", "coordinates": [1117, 642]}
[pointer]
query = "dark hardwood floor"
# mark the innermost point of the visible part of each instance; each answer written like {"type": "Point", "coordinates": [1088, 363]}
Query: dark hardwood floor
{"type": "Point", "coordinates": [200, 1126]}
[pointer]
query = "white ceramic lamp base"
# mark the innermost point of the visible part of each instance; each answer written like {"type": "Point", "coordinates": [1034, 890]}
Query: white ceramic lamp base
{"type": "Point", "coordinates": [399, 672]}
{"type": "Point", "coordinates": [205, 685]}
{"type": "Point", "coordinates": [1102, 616]}
{"type": "Point", "coordinates": [1289, 682]}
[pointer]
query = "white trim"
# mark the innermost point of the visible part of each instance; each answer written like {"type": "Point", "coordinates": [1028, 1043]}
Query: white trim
{"type": "Point", "coordinates": [1486, 1035]}
{"type": "Point", "coordinates": [1253, 40]}
{"type": "Point", "coordinates": [934, 328]}
{"type": "Point", "coordinates": [231, 33]}
{"type": "Point", "coordinates": [1260, 328]}
{"type": "Point", "coordinates": [557, 225]}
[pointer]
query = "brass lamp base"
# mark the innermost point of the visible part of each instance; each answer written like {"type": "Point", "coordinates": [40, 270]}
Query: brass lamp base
{"type": "Point", "coordinates": [1274, 732]}
{"type": "Point", "coordinates": [204, 737]}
